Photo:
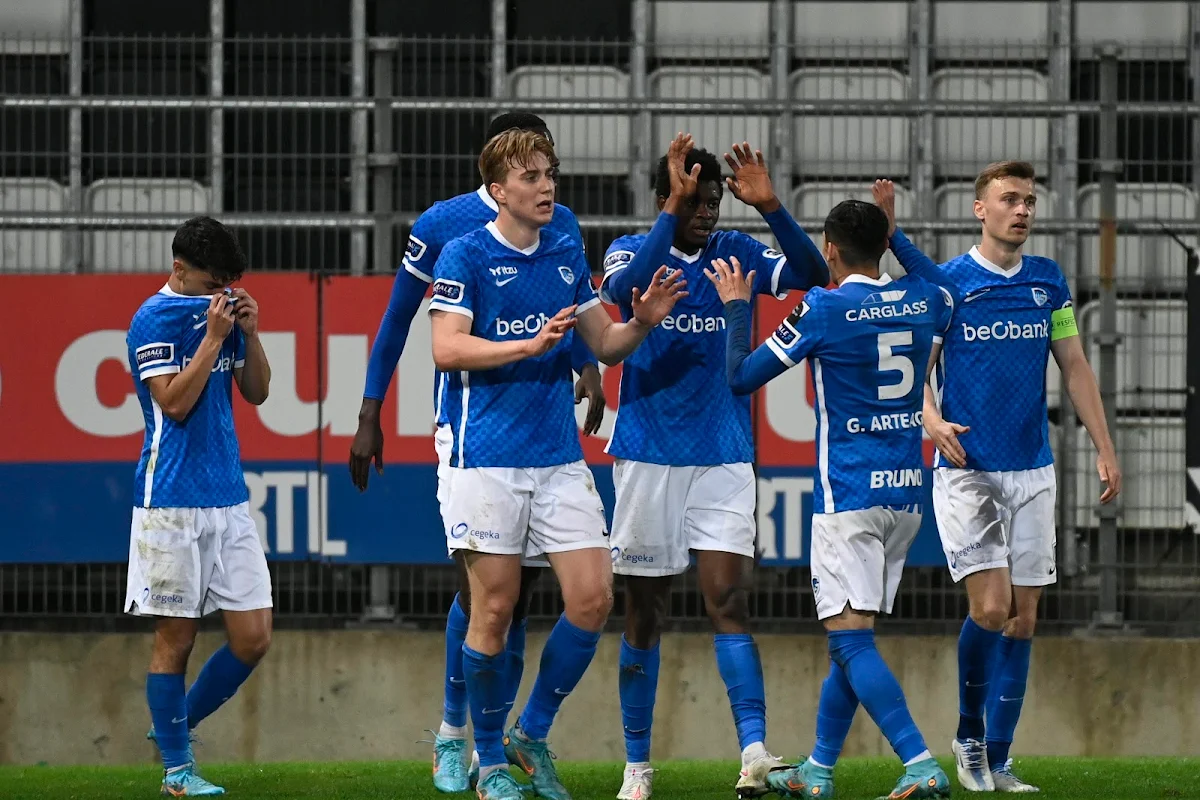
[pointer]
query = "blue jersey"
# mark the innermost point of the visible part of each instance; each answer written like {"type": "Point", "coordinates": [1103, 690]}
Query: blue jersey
{"type": "Point", "coordinates": [195, 463]}
{"type": "Point", "coordinates": [675, 405]}
{"type": "Point", "coordinates": [521, 414]}
{"type": "Point", "coordinates": [446, 221]}
{"type": "Point", "coordinates": [993, 371]}
{"type": "Point", "coordinates": [868, 344]}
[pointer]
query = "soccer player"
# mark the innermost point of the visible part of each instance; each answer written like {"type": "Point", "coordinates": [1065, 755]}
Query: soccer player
{"type": "Point", "coordinates": [503, 299]}
{"type": "Point", "coordinates": [684, 477]}
{"type": "Point", "coordinates": [993, 485]}
{"type": "Point", "coordinates": [193, 546]}
{"type": "Point", "coordinates": [865, 342]}
{"type": "Point", "coordinates": [434, 229]}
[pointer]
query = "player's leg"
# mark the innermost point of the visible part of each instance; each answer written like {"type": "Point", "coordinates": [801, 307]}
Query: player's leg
{"type": "Point", "coordinates": [648, 549]}
{"type": "Point", "coordinates": [566, 522]}
{"type": "Point", "coordinates": [1032, 496]}
{"type": "Point", "coordinates": [972, 523]}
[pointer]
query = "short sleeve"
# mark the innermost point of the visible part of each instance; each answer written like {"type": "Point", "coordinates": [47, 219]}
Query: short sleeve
{"type": "Point", "coordinates": [153, 350]}
{"type": "Point", "coordinates": [768, 264]}
{"type": "Point", "coordinates": [800, 333]}
{"type": "Point", "coordinates": [618, 256]}
{"type": "Point", "coordinates": [424, 246]}
{"type": "Point", "coordinates": [453, 287]}
{"type": "Point", "coordinates": [945, 305]}
{"type": "Point", "coordinates": [585, 290]}
{"type": "Point", "coordinates": [1062, 316]}
{"type": "Point", "coordinates": [239, 348]}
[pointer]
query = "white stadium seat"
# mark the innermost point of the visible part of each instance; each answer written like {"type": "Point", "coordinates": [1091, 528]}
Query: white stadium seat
{"type": "Point", "coordinates": [31, 249]}
{"type": "Point", "coordinates": [1152, 453]}
{"type": "Point", "coordinates": [713, 132]}
{"type": "Point", "coordinates": [838, 146]}
{"type": "Point", "coordinates": [965, 30]}
{"type": "Point", "coordinates": [132, 249]}
{"type": "Point", "coordinates": [955, 201]}
{"type": "Point", "coordinates": [845, 30]}
{"type": "Point", "coordinates": [587, 144]}
{"type": "Point", "coordinates": [1149, 262]}
{"type": "Point", "coordinates": [814, 201]}
{"type": "Point", "coordinates": [1151, 356]}
{"type": "Point", "coordinates": [962, 145]}
{"type": "Point", "coordinates": [1158, 28]}
{"type": "Point", "coordinates": [35, 27]}
{"type": "Point", "coordinates": [723, 29]}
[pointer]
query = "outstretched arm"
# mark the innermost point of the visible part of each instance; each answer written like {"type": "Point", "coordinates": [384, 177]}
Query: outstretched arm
{"type": "Point", "coordinates": [908, 254]}
{"type": "Point", "coordinates": [407, 292]}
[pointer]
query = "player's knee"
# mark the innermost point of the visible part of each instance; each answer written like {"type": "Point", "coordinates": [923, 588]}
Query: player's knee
{"type": "Point", "coordinates": [990, 613]}
{"type": "Point", "coordinates": [250, 648]}
{"type": "Point", "coordinates": [589, 609]}
{"type": "Point", "coordinates": [1021, 626]}
{"type": "Point", "coordinates": [729, 608]}
{"type": "Point", "coordinates": [643, 624]}
{"type": "Point", "coordinates": [492, 613]}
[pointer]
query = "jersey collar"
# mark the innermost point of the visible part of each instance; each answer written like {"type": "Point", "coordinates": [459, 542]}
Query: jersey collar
{"type": "Point", "coordinates": [858, 277]}
{"type": "Point", "coordinates": [169, 292]}
{"type": "Point", "coordinates": [487, 198]}
{"type": "Point", "coordinates": [684, 257]}
{"type": "Point", "coordinates": [996, 268]}
{"type": "Point", "coordinates": [499, 237]}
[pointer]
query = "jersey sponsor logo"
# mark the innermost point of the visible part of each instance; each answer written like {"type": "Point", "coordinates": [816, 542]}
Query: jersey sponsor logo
{"type": "Point", "coordinates": [222, 364]}
{"type": "Point", "coordinates": [1006, 329]}
{"type": "Point", "coordinates": [619, 555]}
{"type": "Point", "coordinates": [955, 556]}
{"type": "Point", "coordinates": [787, 334]}
{"type": "Point", "coordinates": [1040, 295]}
{"type": "Point", "coordinates": [504, 275]}
{"type": "Point", "coordinates": [448, 291]}
{"type": "Point", "coordinates": [414, 249]}
{"type": "Point", "coordinates": [519, 327]}
{"type": "Point", "coordinates": [154, 354]}
{"type": "Point", "coordinates": [885, 422]}
{"type": "Point", "coordinates": [692, 323]}
{"type": "Point", "coordinates": [896, 478]}
{"type": "Point", "coordinates": [617, 258]}
{"type": "Point", "coordinates": [891, 311]}
{"type": "Point", "coordinates": [567, 275]}
{"type": "Point", "coordinates": [892, 296]}
{"type": "Point", "coordinates": [462, 529]}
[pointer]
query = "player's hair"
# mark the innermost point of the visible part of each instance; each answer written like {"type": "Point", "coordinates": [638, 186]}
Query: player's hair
{"type": "Point", "coordinates": [1002, 169]}
{"type": "Point", "coordinates": [512, 148]}
{"type": "Point", "coordinates": [710, 170]}
{"type": "Point", "coordinates": [521, 120]}
{"type": "Point", "coordinates": [205, 244]}
{"type": "Point", "coordinates": [860, 231]}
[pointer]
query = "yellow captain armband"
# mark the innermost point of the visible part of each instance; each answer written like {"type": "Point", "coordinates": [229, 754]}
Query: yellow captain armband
{"type": "Point", "coordinates": [1062, 324]}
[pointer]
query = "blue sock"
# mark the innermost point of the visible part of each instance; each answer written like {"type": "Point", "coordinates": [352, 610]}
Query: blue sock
{"type": "Point", "coordinates": [515, 648]}
{"type": "Point", "coordinates": [487, 688]}
{"type": "Point", "coordinates": [877, 689]}
{"type": "Point", "coordinates": [219, 680]}
{"type": "Point", "coordinates": [1009, 676]}
{"type": "Point", "coordinates": [741, 670]}
{"type": "Point", "coordinates": [566, 656]}
{"type": "Point", "coordinates": [454, 704]}
{"type": "Point", "coordinates": [834, 715]}
{"type": "Point", "coordinates": [975, 649]}
{"type": "Point", "coordinates": [637, 685]}
{"type": "Point", "coordinates": [168, 713]}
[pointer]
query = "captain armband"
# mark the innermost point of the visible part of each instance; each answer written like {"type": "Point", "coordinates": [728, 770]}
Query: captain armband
{"type": "Point", "coordinates": [1062, 324]}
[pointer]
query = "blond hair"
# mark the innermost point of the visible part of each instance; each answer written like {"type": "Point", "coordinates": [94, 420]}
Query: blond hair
{"type": "Point", "coordinates": [513, 148]}
{"type": "Point", "coordinates": [1002, 169]}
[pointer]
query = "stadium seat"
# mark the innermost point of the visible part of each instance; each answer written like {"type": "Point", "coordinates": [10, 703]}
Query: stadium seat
{"type": "Point", "coordinates": [131, 249]}
{"type": "Point", "coordinates": [712, 29]}
{"type": "Point", "coordinates": [1144, 263]}
{"type": "Point", "coordinates": [814, 201]}
{"type": "Point", "coordinates": [33, 141]}
{"type": "Point", "coordinates": [962, 145]}
{"type": "Point", "coordinates": [554, 32]}
{"type": "Point", "coordinates": [713, 132]}
{"type": "Point", "coordinates": [955, 201]}
{"type": "Point", "coordinates": [1151, 356]}
{"type": "Point", "coordinates": [965, 31]}
{"type": "Point", "coordinates": [841, 30]}
{"type": "Point", "coordinates": [31, 250]}
{"type": "Point", "coordinates": [146, 18]}
{"type": "Point", "coordinates": [1147, 29]}
{"type": "Point", "coordinates": [841, 146]}
{"type": "Point", "coordinates": [41, 27]}
{"type": "Point", "coordinates": [441, 18]}
{"type": "Point", "coordinates": [1152, 454]}
{"type": "Point", "coordinates": [587, 144]}
{"type": "Point", "coordinates": [289, 18]}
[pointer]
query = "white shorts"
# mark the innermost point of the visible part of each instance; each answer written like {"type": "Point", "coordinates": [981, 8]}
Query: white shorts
{"type": "Point", "coordinates": [188, 562]}
{"type": "Point", "coordinates": [662, 513]}
{"type": "Point", "coordinates": [519, 510]}
{"type": "Point", "coordinates": [858, 557]}
{"type": "Point", "coordinates": [989, 520]}
{"type": "Point", "coordinates": [443, 441]}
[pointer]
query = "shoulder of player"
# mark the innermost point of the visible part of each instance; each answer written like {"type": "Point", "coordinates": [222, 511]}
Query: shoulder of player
{"type": "Point", "coordinates": [622, 250]}
{"type": "Point", "coordinates": [564, 219]}
{"type": "Point", "coordinates": [1041, 266]}
{"type": "Point", "coordinates": [735, 240]}
{"type": "Point", "coordinates": [816, 301]}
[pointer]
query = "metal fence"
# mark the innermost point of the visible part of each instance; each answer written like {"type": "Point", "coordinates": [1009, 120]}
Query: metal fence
{"type": "Point", "coordinates": [324, 150]}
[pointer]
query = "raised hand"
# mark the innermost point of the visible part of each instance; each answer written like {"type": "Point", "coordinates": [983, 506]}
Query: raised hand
{"type": "Point", "coordinates": [683, 183]}
{"type": "Point", "coordinates": [656, 303]}
{"type": "Point", "coordinates": [731, 284]}
{"type": "Point", "coordinates": [751, 183]}
{"type": "Point", "coordinates": [884, 192]}
{"type": "Point", "coordinates": [220, 317]}
{"type": "Point", "coordinates": [552, 332]}
{"type": "Point", "coordinates": [246, 311]}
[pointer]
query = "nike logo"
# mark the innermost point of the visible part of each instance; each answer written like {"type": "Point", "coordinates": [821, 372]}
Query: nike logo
{"type": "Point", "coordinates": [976, 685]}
{"type": "Point", "coordinates": [458, 681]}
{"type": "Point", "coordinates": [177, 721]}
{"type": "Point", "coordinates": [507, 280]}
{"type": "Point", "coordinates": [200, 324]}
{"type": "Point", "coordinates": [561, 693]}
{"type": "Point", "coordinates": [500, 710]}
{"type": "Point", "coordinates": [1004, 699]}
{"type": "Point", "coordinates": [976, 295]}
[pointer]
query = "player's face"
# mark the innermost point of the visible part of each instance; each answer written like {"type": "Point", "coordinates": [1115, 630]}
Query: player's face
{"type": "Point", "coordinates": [528, 191]}
{"type": "Point", "coordinates": [1007, 210]}
{"type": "Point", "coordinates": [698, 216]}
{"type": "Point", "coordinates": [195, 282]}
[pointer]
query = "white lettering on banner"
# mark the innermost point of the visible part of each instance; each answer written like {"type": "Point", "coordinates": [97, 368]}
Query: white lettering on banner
{"type": "Point", "coordinates": [792, 516]}
{"type": "Point", "coordinates": [75, 386]}
{"type": "Point", "coordinates": [286, 414]}
{"type": "Point", "coordinates": [788, 411]}
{"type": "Point", "coordinates": [282, 486]}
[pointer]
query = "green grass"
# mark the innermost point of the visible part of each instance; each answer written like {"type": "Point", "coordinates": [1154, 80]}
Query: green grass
{"type": "Point", "coordinates": [1060, 779]}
